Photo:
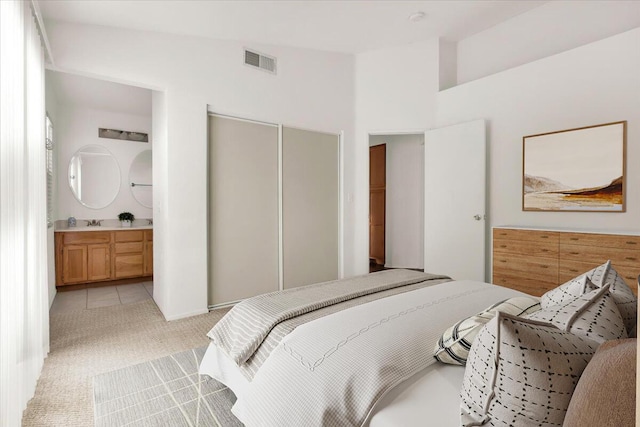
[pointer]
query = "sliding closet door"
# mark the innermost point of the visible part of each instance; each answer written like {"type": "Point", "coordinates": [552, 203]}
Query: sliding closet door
{"type": "Point", "coordinates": [310, 203]}
{"type": "Point", "coordinates": [243, 209]}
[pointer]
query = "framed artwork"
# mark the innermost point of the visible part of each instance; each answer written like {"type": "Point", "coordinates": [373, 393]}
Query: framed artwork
{"type": "Point", "coordinates": [577, 170]}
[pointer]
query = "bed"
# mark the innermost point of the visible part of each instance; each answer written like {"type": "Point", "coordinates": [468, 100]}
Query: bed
{"type": "Point", "coordinates": [356, 352]}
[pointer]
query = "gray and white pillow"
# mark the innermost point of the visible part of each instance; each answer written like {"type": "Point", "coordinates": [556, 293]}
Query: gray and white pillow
{"type": "Point", "coordinates": [522, 372]}
{"type": "Point", "coordinates": [569, 291]}
{"type": "Point", "coordinates": [623, 295]}
{"type": "Point", "coordinates": [454, 344]}
{"type": "Point", "coordinates": [593, 315]}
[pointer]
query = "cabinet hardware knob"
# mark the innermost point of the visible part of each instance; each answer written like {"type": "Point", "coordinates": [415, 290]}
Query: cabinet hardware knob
{"type": "Point", "coordinates": [545, 250]}
{"type": "Point", "coordinates": [632, 243]}
{"type": "Point", "coordinates": [630, 258]}
{"type": "Point", "coordinates": [503, 246]}
{"type": "Point", "coordinates": [503, 260]}
{"type": "Point", "coordinates": [544, 237]}
{"type": "Point", "coordinates": [573, 270]}
{"type": "Point", "coordinates": [573, 238]}
{"type": "Point", "coordinates": [544, 266]}
{"type": "Point", "coordinates": [574, 253]}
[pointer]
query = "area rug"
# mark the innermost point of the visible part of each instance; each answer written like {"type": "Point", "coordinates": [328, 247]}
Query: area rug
{"type": "Point", "coordinates": [163, 392]}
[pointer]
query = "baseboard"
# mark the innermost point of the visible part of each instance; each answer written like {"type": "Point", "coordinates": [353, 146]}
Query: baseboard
{"type": "Point", "coordinates": [185, 315]}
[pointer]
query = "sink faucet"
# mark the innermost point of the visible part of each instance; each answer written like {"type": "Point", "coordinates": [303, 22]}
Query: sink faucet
{"type": "Point", "coordinates": [94, 223]}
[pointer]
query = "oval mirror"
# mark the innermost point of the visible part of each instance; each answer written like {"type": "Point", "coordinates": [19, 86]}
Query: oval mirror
{"type": "Point", "coordinates": [140, 179]}
{"type": "Point", "coordinates": [94, 176]}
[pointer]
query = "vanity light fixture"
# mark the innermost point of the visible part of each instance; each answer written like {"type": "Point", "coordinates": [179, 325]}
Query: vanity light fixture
{"type": "Point", "coordinates": [123, 135]}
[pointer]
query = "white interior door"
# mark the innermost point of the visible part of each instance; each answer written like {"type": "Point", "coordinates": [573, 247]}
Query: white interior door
{"type": "Point", "coordinates": [455, 186]}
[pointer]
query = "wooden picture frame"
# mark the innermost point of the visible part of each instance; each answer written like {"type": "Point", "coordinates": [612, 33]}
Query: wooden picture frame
{"type": "Point", "coordinates": [575, 170]}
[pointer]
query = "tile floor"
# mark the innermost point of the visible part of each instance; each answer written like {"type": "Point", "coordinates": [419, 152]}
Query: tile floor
{"type": "Point", "coordinates": [85, 299]}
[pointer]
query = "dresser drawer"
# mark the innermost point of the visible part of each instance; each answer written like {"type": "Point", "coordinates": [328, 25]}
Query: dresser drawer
{"type": "Point", "coordinates": [530, 248]}
{"type": "Point", "coordinates": [535, 287]}
{"type": "Point", "coordinates": [601, 240]}
{"type": "Point", "coordinates": [567, 270]}
{"type": "Point", "coordinates": [543, 269]}
{"type": "Point", "coordinates": [86, 237]}
{"type": "Point", "coordinates": [600, 255]}
{"type": "Point", "coordinates": [129, 236]}
{"type": "Point", "coordinates": [129, 248]}
{"type": "Point", "coordinates": [526, 235]}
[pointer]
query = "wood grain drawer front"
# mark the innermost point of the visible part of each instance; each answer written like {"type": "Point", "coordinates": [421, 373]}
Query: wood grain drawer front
{"type": "Point", "coordinates": [148, 235]}
{"type": "Point", "coordinates": [86, 237]}
{"type": "Point", "coordinates": [535, 248]}
{"type": "Point", "coordinates": [535, 287]}
{"type": "Point", "coordinates": [129, 248]}
{"type": "Point", "coordinates": [600, 254]}
{"type": "Point", "coordinates": [571, 269]}
{"type": "Point", "coordinates": [601, 240]}
{"type": "Point", "coordinates": [543, 269]}
{"type": "Point", "coordinates": [129, 266]}
{"type": "Point", "coordinates": [527, 235]}
{"type": "Point", "coordinates": [129, 236]}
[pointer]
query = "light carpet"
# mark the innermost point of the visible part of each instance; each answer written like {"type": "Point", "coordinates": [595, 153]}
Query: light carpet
{"type": "Point", "coordinates": [86, 343]}
{"type": "Point", "coordinates": [163, 392]}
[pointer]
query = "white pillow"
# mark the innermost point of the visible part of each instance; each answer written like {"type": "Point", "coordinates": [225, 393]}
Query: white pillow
{"type": "Point", "coordinates": [593, 315]}
{"type": "Point", "coordinates": [623, 295]}
{"type": "Point", "coordinates": [569, 291]}
{"type": "Point", "coordinates": [522, 372]}
{"type": "Point", "coordinates": [454, 344]}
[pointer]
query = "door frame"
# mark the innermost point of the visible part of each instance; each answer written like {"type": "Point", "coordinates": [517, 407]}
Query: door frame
{"type": "Point", "coordinates": [379, 132]}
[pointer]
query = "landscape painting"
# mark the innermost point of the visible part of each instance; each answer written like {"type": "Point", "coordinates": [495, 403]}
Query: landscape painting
{"type": "Point", "coordinates": [575, 170]}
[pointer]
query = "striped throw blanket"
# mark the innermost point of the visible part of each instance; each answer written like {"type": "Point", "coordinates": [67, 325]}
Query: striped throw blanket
{"type": "Point", "coordinates": [244, 329]}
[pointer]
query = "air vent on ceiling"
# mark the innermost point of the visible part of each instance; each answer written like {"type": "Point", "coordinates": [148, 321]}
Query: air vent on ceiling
{"type": "Point", "coordinates": [258, 60]}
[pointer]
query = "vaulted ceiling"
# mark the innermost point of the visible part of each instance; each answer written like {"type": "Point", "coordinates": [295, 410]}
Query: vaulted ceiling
{"type": "Point", "coordinates": [342, 26]}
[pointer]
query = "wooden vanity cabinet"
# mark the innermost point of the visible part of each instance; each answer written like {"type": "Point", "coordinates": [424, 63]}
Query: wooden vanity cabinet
{"type": "Point", "coordinates": [99, 256]}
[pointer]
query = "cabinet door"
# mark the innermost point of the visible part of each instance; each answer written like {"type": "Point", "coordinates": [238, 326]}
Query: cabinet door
{"type": "Point", "coordinates": [148, 259]}
{"type": "Point", "coordinates": [128, 266]}
{"type": "Point", "coordinates": [74, 263]}
{"type": "Point", "coordinates": [99, 262]}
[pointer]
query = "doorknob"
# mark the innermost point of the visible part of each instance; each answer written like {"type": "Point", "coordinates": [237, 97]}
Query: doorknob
{"type": "Point", "coordinates": [477, 217]}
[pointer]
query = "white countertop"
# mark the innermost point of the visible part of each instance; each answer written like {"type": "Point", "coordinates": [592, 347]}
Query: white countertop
{"type": "Point", "coordinates": [101, 228]}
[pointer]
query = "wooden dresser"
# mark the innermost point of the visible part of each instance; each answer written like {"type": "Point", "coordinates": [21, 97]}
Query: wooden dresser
{"type": "Point", "coordinates": [84, 257]}
{"type": "Point", "coordinates": [534, 261]}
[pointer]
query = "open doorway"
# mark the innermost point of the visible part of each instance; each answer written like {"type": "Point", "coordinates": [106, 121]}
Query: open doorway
{"type": "Point", "coordinates": [396, 201]}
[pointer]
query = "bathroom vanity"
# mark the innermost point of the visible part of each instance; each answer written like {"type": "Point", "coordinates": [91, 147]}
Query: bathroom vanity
{"type": "Point", "coordinates": [101, 254]}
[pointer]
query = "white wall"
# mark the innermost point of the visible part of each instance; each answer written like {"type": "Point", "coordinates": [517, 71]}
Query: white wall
{"type": "Point", "coordinates": [554, 27]}
{"type": "Point", "coordinates": [396, 91]}
{"type": "Point", "coordinates": [593, 84]}
{"type": "Point", "coordinates": [312, 89]}
{"type": "Point", "coordinates": [404, 221]}
{"type": "Point", "coordinates": [78, 126]}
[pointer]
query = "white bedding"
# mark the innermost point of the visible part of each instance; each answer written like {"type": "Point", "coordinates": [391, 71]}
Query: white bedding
{"type": "Point", "coordinates": [305, 396]}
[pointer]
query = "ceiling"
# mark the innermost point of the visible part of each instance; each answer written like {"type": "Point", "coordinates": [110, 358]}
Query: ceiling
{"type": "Point", "coordinates": [85, 92]}
{"type": "Point", "coordinates": [340, 26]}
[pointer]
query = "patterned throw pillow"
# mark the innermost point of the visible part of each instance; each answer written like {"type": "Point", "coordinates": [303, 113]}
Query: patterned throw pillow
{"type": "Point", "coordinates": [593, 315]}
{"type": "Point", "coordinates": [569, 291]}
{"type": "Point", "coordinates": [522, 372]}
{"type": "Point", "coordinates": [623, 295]}
{"type": "Point", "coordinates": [453, 346]}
